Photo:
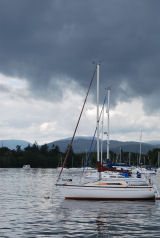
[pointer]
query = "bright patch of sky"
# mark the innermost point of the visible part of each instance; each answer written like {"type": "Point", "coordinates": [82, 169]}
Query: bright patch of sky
{"type": "Point", "coordinates": [33, 119]}
{"type": "Point", "coordinates": [14, 83]}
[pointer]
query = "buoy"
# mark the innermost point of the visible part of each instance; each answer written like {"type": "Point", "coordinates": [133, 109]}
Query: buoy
{"type": "Point", "coordinates": [46, 197]}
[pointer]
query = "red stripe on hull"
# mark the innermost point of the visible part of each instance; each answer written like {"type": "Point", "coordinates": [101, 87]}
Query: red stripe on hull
{"type": "Point", "coordinates": [109, 199]}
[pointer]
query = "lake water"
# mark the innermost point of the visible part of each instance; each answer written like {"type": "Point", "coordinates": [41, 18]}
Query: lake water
{"type": "Point", "coordinates": [24, 212]}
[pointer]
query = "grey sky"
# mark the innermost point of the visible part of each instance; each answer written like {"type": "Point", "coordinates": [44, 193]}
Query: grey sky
{"type": "Point", "coordinates": [53, 43]}
{"type": "Point", "coordinates": [45, 41]}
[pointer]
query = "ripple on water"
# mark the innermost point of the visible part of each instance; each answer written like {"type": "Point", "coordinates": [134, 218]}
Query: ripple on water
{"type": "Point", "coordinates": [25, 213]}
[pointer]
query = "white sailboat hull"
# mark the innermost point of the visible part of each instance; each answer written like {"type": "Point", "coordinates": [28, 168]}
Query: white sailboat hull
{"type": "Point", "coordinates": [77, 192]}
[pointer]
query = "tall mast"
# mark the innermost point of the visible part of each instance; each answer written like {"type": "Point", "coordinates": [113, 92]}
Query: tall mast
{"type": "Point", "coordinates": [102, 136]}
{"type": "Point", "coordinates": [98, 117]}
{"type": "Point", "coordinates": [108, 131]}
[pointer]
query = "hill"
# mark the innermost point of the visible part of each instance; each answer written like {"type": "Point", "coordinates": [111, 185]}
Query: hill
{"type": "Point", "coordinates": [11, 144]}
{"type": "Point", "coordinates": [82, 144]}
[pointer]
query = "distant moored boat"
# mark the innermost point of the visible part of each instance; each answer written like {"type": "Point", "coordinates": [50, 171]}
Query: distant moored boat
{"type": "Point", "coordinates": [26, 166]}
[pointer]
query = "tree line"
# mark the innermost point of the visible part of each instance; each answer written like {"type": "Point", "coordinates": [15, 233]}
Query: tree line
{"type": "Point", "coordinates": [43, 157]}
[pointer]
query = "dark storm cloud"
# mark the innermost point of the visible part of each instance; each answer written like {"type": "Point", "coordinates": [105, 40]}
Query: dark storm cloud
{"type": "Point", "coordinates": [47, 40]}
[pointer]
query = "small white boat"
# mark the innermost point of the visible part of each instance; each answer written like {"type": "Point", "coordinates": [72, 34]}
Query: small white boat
{"type": "Point", "coordinates": [112, 186]}
{"type": "Point", "coordinates": [26, 166]}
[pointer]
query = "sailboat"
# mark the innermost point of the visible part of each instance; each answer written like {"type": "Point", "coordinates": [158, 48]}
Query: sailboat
{"type": "Point", "coordinates": [140, 169]}
{"type": "Point", "coordinates": [102, 189]}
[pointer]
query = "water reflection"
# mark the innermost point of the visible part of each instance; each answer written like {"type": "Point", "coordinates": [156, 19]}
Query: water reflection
{"type": "Point", "coordinates": [107, 219]}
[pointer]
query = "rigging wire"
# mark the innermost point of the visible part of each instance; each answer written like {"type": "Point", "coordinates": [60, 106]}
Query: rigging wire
{"type": "Point", "coordinates": [70, 145]}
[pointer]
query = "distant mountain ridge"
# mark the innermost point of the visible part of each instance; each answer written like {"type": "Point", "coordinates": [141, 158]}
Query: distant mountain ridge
{"type": "Point", "coordinates": [154, 142]}
{"type": "Point", "coordinates": [11, 144]}
{"type": "Point", "coordinates": [82, 144]}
